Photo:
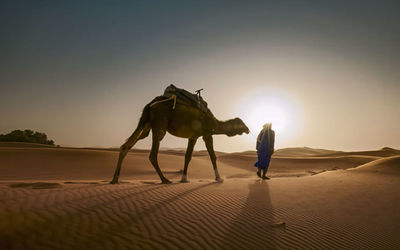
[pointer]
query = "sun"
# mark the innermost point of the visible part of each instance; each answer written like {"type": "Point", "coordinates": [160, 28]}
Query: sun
{"type": "Point", "coordinates": [267, 113]}
{"type": "Point", "coordinates": [262, 107]}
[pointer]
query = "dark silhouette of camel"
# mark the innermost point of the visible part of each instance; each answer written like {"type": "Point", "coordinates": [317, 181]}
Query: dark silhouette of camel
{"type": "Point", "coordinates": [180, 118]}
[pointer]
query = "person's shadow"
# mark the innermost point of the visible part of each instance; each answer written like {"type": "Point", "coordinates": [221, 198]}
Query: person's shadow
{"type": "Point", "coordinates": [255, 226]}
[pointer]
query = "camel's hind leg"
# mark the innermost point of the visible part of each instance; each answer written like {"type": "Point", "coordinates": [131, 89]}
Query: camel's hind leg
{"type": "Point", "coordinates": [138, 134]}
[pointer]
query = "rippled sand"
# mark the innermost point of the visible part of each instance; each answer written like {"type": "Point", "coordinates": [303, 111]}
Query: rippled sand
{"type": "Point", "coordinates": [60, 198]}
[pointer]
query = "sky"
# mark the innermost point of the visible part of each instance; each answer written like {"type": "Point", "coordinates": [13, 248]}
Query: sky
{"type": "Point", "coordinates": [325, 73]}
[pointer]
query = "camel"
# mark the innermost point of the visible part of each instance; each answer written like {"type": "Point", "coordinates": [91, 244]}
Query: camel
{"type": "Point", "coordinates": [179, 118]}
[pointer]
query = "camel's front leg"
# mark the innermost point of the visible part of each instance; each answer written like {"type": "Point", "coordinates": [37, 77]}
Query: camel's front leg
{"type": "Point", "coordinates": [210, 148]}
{"type": "Point", "coordinates": [158, 135]}
{"type": "Point", "coordinates": [188, 157]}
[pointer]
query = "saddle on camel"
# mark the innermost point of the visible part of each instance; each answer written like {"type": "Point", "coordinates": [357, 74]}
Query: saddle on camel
{"type": "Point", "coordinates": [174, 93]}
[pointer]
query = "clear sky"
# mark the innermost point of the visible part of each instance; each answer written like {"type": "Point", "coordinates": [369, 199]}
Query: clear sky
{"type": "Point", "coordinates": [326, 73]}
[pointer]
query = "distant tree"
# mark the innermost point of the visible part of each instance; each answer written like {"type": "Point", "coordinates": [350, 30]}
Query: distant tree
{"type": "Point", "coordinates": [26, 136]}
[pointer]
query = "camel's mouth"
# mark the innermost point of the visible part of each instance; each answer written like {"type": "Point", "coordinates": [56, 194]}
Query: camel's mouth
{"type": "Point", "coordinates": [246, 132]}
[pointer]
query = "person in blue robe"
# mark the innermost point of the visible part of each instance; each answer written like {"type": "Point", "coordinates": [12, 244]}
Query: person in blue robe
{"type": "Point", "coordinates": [265, 149]}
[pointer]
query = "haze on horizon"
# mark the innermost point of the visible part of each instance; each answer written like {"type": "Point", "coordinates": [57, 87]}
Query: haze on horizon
{"type": "Point", "coordinates": [81, 73]}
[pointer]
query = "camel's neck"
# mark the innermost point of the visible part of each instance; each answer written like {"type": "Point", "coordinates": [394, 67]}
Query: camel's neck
{"type": "Point", "coordinates": [224, 127]}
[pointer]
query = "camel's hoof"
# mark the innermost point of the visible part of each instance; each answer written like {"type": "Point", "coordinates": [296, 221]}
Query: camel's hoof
{"type": "Point", "coordinates": [184, 181]}
{"type": "Point", "coordinates": [114, 182]}
{"type": "Point", "coordinates": [219, 180]}
{"type": "Point", "coordinates": [166, 181]}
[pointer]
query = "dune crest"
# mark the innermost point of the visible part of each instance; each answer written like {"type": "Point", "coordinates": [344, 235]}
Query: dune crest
{"type": "Point", "coordinates": [388, 165]}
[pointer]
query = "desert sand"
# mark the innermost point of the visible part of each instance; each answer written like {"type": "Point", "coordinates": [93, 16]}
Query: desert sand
{"type": "Point", "coordinates": [59, 198]}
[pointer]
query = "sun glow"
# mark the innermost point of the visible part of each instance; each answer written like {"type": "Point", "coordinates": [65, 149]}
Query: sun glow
{"type": "Point", "coordinates": [267, 113]}
{"type": "Point", "coordinates": [269, 107]}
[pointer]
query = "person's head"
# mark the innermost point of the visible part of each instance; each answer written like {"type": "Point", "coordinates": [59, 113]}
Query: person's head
{"type": "Point", "coordinates": [267, 125]}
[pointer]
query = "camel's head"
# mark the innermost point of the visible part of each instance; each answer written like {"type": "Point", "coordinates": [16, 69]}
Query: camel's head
{"type": "Point", "coordinates": [236, 127]}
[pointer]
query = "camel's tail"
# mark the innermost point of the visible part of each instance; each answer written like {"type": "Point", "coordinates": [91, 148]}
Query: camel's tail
{"type": "Point", "coordinates": [142, 130]}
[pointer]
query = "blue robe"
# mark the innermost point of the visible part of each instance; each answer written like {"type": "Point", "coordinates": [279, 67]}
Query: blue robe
{"type": "Point", "coordinates": [265, 148]}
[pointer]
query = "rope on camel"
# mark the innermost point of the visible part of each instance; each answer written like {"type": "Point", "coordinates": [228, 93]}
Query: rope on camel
{"type": "Point", "coordinates": [172, 97]}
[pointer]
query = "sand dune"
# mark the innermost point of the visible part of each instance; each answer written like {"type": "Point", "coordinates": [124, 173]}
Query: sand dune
{"type": "Point", "coordinates": [303, 151]}
{"type": "Point", "coordinates": [59, 198]}
{"type": "Point", "coordinates": [27, 161]}
{"type": "Point", "coordinates": [298, 166]}
{"type": "Point", "coordinates": [388, 165]}
{"type": "Point", "coordinates": [86, 164]}
{"type": "Point", "coordinates": [384, 152]}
